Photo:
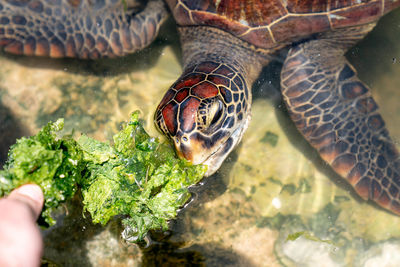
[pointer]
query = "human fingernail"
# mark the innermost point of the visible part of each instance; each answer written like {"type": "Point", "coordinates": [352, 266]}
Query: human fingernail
{"type": "Point", "coordinates": [32, 191]}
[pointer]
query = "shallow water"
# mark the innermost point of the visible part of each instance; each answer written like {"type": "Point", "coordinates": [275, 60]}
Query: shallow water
{"type": "Point", "coordinates": [273, 185]}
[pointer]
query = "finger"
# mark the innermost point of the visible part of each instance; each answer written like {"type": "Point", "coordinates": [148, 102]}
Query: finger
{"type": "Point", "coordinates": [31, 195]}
{"type": "Point", "coordinates": [20, 238]}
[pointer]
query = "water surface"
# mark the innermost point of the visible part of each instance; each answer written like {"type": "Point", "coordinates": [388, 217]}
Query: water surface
{"type": "Point", "coordinates": [273, 185]}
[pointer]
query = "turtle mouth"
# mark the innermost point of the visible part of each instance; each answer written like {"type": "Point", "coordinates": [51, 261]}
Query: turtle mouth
{"type": "Point", "coordinates": [193, 150]}
{"type": "Point", "coordinates": [216, 158]}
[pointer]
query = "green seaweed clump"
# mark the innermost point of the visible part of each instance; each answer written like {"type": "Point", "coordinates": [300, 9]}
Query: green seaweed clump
{"type": "Point", "coordinates": [137, 178]}
{"type": "Point", "coordinates": [55, 164]}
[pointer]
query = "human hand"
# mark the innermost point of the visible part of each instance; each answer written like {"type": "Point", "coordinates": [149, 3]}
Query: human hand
{"type": "Point", "coordinates": [20, 240]}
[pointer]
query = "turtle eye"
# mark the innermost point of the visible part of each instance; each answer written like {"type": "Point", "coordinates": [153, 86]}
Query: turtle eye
{"type": "Point", "coordinates": [215, 112]}
{"type": "Point", "coordinates": [210, 113]}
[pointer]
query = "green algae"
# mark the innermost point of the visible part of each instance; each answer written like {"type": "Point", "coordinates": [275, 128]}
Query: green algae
{"type": "Point", "coordinates": [137, 177]}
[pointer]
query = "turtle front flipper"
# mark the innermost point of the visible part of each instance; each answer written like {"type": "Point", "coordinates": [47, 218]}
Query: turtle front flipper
{"type": "Point", "coordinates": [336, 113]}
{"type": "Point", "coordinates": [79, 28]}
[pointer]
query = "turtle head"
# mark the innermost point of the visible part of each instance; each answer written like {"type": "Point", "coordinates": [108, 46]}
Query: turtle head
{"type": "Point", "coordinates": [205, 113]}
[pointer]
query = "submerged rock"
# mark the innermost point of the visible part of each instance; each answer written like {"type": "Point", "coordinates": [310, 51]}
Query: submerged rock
{"type": "Point", "coordinates": [273, 185]}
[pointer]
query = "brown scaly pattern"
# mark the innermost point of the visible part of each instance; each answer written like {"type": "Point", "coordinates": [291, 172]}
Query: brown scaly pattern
{"type": "Point", "coordinates": [208, 109]}
{"type": "Point", "coordinates": [336, 113]}
{"type": "Point", "coordinates": [195, 88]}
{"type": "Point", "coordinates": [274, 23]}
{"type": "Point", "coordinates": [184, 113]}
{"type": "Point", "coordinates": [77, 28]}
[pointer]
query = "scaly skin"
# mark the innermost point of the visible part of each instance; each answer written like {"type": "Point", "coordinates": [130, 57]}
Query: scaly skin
{"type": "Point", "coordinates": [336, 113]}
{"type": "Point", "coordinates": [207, 110]}
{"type": "Point", "coordinates": [78, 28]}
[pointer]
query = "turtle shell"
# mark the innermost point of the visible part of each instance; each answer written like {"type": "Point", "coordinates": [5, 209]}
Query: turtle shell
{"type": "Point", "coordinates": [272, 23]}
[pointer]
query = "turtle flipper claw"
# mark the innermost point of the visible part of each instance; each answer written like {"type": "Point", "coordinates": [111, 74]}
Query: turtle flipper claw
{"type": "Point", "coordinates": [336, 113]}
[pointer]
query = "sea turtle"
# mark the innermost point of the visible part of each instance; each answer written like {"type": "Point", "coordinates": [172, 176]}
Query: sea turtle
{"type": "Point", "coordinates": [225, 44]}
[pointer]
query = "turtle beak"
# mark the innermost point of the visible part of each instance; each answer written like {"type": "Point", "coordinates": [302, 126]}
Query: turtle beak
{"type": "Point", "coordinates": [194, 151]}
{"type": "Point", "coordinates": [191, 150]}
{"type": "Point", "coordinates": [183, 152]}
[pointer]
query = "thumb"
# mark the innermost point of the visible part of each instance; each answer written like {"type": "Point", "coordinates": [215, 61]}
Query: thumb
{"type": "Point", "coordinates": [31, 195]}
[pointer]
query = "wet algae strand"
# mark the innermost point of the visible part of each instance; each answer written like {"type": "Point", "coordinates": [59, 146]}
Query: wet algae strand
{"type": "Point", "coordinates": [137, 177]}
